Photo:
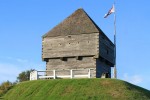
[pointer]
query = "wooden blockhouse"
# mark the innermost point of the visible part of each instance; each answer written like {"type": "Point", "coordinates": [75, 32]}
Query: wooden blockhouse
{"type": "Point", "coordinates": [78, 43]}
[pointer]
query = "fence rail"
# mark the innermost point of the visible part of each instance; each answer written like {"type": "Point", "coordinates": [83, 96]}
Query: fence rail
{"type": "Point", "coordinates": [70, 73]}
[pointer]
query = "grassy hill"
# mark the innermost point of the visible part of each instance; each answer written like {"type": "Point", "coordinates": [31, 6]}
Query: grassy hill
{"type": "Point", "coordinates": [77, 89]}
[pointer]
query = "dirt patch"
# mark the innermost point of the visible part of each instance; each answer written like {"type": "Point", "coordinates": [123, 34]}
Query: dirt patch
{"type": "Point", "coordinates": [67, 90]}
{"type": "Point", "coordinates": [105, 83]}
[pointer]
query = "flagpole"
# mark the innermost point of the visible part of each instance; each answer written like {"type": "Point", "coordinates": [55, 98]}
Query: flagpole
{"type": "Point", "coordinates": [115, 67]}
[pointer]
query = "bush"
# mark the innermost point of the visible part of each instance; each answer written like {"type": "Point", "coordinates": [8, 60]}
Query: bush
{"type": "Point", "coordinates": [4, 87]}
{"type": "Point", "coordinates": [24, 76]}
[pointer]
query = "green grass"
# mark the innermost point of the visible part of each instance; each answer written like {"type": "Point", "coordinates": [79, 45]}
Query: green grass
{"type": "Point", "coordinates": [77, 89]}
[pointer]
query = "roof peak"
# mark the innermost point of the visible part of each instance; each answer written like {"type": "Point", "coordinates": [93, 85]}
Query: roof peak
{"type": "Point", "coordinates": [78, 22]}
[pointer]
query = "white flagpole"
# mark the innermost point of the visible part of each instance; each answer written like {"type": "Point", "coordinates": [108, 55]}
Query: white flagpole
{"type": "Point", "coordinates": [115, 67]}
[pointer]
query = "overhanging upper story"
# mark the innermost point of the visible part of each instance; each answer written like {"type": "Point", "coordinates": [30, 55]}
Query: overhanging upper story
{"type": "Point", "coordinates": [77, 35]}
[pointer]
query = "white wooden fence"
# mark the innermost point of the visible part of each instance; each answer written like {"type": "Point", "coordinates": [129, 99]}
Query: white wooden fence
{"type": "Point", "coordinates": [88, 73]}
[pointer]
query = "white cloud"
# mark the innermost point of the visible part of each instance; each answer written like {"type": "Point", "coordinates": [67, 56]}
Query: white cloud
{"type": "Point", "coordinates": [135, 79]}
{"type": "Point", "coordinates": [8, 72]}
{"type": "Point", "coordinates": [22, 60]}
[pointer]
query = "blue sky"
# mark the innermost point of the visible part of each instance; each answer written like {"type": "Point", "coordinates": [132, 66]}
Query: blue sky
{"type": "Point", "coordinates": [22, 24]}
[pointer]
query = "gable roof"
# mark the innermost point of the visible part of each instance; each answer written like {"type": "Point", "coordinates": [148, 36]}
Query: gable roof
{"type": "Point", "coordinates": [77, 23]}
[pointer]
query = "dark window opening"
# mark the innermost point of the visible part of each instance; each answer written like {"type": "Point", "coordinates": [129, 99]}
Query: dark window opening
{"type": "Point", "coordinates": [69, 36]}
{"type": "Point", "coordinates": [63, 58]}
{"type": "Point", "coordinates": [107, 75]}
{"type": "Point", "coordinates": [79, 57]}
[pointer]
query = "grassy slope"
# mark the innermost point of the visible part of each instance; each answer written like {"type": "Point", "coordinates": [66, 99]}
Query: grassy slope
{"type": "Point", "coordinates": [77, 89]}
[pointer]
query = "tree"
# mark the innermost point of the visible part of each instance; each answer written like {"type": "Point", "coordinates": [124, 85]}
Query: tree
{"type": "Point", "coordinates": [4, 87]}
{"type": "Point", "coordinates": [24, 76]}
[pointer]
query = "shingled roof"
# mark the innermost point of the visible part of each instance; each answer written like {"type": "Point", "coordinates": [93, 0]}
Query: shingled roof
{"type": "Point", "coordinates": [77, 23]}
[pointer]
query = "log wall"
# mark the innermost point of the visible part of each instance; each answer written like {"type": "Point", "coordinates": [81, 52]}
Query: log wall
{"type": "Point", "coordinates": [106, 49]}
{"type": "Point", "coordinates": [72, 45]}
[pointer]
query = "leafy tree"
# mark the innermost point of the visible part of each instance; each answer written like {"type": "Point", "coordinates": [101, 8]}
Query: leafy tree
{"type": "Point", "coordinates": [24, 76]}
{"type": "Point", "coordinates": [4, 87]}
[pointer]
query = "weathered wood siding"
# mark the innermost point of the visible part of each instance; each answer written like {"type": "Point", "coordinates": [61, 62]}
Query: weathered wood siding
{"type": "Point", "coordinates": [79, 51]}
{"type": "Point", "coordinates": [72, 63]}
{"type": "Point", "coordinates": [102, 67]}
{"type": "Point", "coordinates": [106, 49]}
{"type": "Point", "coordinates": [70, 46]}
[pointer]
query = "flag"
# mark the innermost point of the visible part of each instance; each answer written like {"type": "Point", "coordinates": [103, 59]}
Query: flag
{"type": "Point", "coordinates": [112, 10]}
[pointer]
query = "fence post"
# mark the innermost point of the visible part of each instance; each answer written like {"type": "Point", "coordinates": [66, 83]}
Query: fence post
{"type": "Point", "coordinates": [71, 74]}
{"type": "Point", "coordinates": [54, 74]}
{"type": "Point", "coordinates": [30, 76]}
{"type": "Point", "coordinates": [34, 75]}
{"type": "Point", "coordinates": [89, 74]}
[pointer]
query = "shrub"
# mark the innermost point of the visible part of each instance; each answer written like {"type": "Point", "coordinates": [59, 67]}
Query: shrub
{"type": "Point", "coordinates": [24, 76]}
{"type": "Point", "coordinates": [4, 87]}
